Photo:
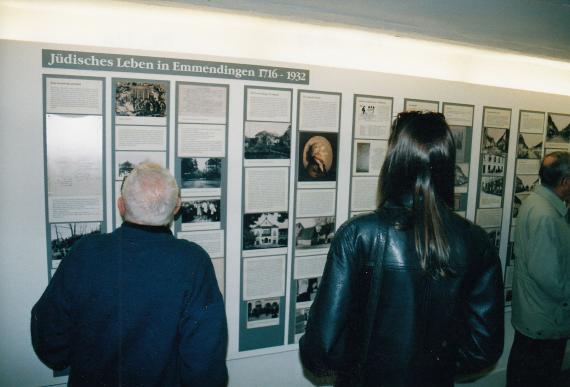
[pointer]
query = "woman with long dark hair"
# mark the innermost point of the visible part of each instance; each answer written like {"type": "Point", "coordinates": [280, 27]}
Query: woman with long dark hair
{"type": "Point", "coordinates": [412, 294]}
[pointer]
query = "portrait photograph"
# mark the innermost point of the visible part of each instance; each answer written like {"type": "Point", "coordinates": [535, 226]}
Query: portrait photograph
{"type": "Point", "coordinates": [317, 156]}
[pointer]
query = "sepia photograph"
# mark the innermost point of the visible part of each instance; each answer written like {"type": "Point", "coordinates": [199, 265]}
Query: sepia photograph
{"type": "Point", "coordinates": [267, 140]}
{"type": "Point", "coordinates": [314, 232]}
{"type": "Point", "coordinates": [265, 230]}
{"type": "Point", "coordinates": [495, 141]}
{"type": "Point", "coordinates": [558, 128]}
{"type": "Point", "coordinates": [529, 146]}
{"type": "Point", "coordinates": [64, 235]}
{"type": "Point", "coordinates": [263, 312]}
{"type": "Point", "coordinates": [140, 99]}
{"type": "Point", "coordinates": [201, 172]}
{"type": "Point", "coordinates": [317, 156]}
{"type": "Point", "coordinates": [491, 192]}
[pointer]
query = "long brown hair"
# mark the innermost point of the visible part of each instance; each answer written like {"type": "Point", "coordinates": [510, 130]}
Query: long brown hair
{"type": "Point", "coordinates": [420, 162]}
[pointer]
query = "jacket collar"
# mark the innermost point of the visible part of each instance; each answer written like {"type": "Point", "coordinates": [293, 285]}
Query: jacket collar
{"type": "Point", "coordinates": [552, 198]}
{"type": "Point", "coordinates": [133, 229]}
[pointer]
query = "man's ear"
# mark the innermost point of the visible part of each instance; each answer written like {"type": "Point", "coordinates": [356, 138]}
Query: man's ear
{"type": "Point", "coordinates": [121, 206]}
{"type": "Point", "coordinates": [177, 208]}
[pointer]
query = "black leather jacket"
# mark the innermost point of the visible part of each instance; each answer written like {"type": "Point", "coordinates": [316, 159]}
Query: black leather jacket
{"type": "Point", "coordinates": [426, 331]}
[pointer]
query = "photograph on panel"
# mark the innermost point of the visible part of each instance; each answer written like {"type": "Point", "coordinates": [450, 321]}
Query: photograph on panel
{"type": "Point", "coordinates": [461, 177]}
{"type": "Point", "coordinates": [369, 156]}
{"type": "Point", "coordinates": [201, 172]}
{"type": "Point", "coordinates": [64, 235]}
{"type": "Point", "coordinates": [315, 232]}
{"type": "Point", "coordinates": [140, 99]}
{"type": "Point", "coordinates": [494, 234]}
{"type": "Point", "coordinates": [558, 128]}
{"type": "Point", "coordinates": [265, 230]}
{"type": "Point", "coordinates": [529, 146]}
{"type": "Point", "coordinates": [263, 312]}
{"type": "Point", "coordinates": [126, 161]}
{"type": "Point", "coordinates": [459, 138]}
{"type": "Point", "coordinates": [307, 289]}
{"type": "Point", "coordinates": [301, 318]}
{"type": "Point", "coordinates": [267, 140]}
{"type": "Point", "coordinates": [491, 191]}
{"type": "Point", "coordinates": [524, 184]}
{"type": "Point", "coordinates": [460, 202]}
{"type": "Point", "coordinates": [495, 140]}
{"type": "Point", "coordinates": [317, 154]}
{"type": "Point", "coordinates": [200, 213]}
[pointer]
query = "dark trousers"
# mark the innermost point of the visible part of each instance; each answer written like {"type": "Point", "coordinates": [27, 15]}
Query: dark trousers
{"type": "Point", "coordinates": [534, 362]}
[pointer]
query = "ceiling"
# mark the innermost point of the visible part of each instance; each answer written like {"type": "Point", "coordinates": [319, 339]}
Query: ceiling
{"type": "Point", "coordinates": [539, 28]}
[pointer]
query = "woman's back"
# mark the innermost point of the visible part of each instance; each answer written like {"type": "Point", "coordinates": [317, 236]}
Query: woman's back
{"type": "Point", "coordinates": [423, 325]}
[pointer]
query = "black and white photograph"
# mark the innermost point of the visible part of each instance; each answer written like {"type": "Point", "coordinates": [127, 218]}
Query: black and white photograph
{"type": "Point", "coordinates": [265, 230]}
{"type": "Point", "coordinates": [126, 161]}
{"type": "Point", "coordinates": [314, 232]}
{"type": "Point", "coordinates": [267, 140]}
{"type": "Point", "coordinates": [459, 137]}
{"type": "Point", "coordinates": [307, 289]}
{"type": "Point", "coordinates": [362, 157]}
{"type": "Point", "coordinates": [493, 164]}
{"type": "Point", "coordinates": [460, 201]}
{"type": "Point", "coordinates": [558, 128]}
{"type": "Point", "coordinates": [494, 234]}
{"type": "Point", "coordinates": [198, 213]}
{"type": "Point", "coordinates": [301, 318]}
{"type": "Point", "coordinates": [495, 141]}
{"type": "Point", "coordinates": [529, 146]}
{"type": "Point", "coordinates": [64, 235]}
{"type": "Point", "coordinates": [140, 99]}
{"type": "Point", "coordinates": [461, 177]}
{"type": "Point", "coordinates": [201, 172]}
{"type": "Point", "coordinates": [525, 183]}
{"type": "Point", "coordinates": [263, 312]}
{"type": "Point", "coordinates": [317, 156]}
{"type": "Point", "coordinates": [491, 191]}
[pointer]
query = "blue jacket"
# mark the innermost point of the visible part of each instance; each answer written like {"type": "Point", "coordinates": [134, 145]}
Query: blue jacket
{"type": "Point", "coordinates": [136, 307]}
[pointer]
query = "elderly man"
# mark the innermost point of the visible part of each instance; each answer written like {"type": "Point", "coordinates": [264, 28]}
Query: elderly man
{"type": "Point", "coordinates": [136, 307]}
{"type": "Point", "coordinates": [541, 285]}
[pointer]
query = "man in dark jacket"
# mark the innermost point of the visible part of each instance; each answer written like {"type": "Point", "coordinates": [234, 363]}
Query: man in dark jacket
{"type": "Point", "coordinates": [136, 307]}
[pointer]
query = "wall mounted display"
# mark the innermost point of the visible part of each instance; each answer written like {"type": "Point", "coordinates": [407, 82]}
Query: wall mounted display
{"type": "Point", "coordinates": [318, 134]}
{"type": "Point", "coordinates": [459, 117]}
{"type": "Point", "coordinates": [139, 128]}
{"type": "Point", "coordinates": [492, 171]}
{"type": "Point", "coordinates": [201, 153]}
{"type": "Point", "coordinates": [74, 162]}
{"type": "Point", "coordinates": [265, 211]}
{"type": "Point", "coordinates": [372, 119]}
{"type": "Point", "coordinates": [421, 105]}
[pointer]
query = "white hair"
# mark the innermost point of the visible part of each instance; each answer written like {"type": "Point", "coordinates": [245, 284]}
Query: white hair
{"type": "Point", "coordinates": [150, 195]}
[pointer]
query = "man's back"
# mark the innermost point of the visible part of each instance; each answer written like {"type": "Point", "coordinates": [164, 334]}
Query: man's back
{"type": "Point", "coordinates": [136, 307]}
{"type": "Point", "coordinates": [542, 249]}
